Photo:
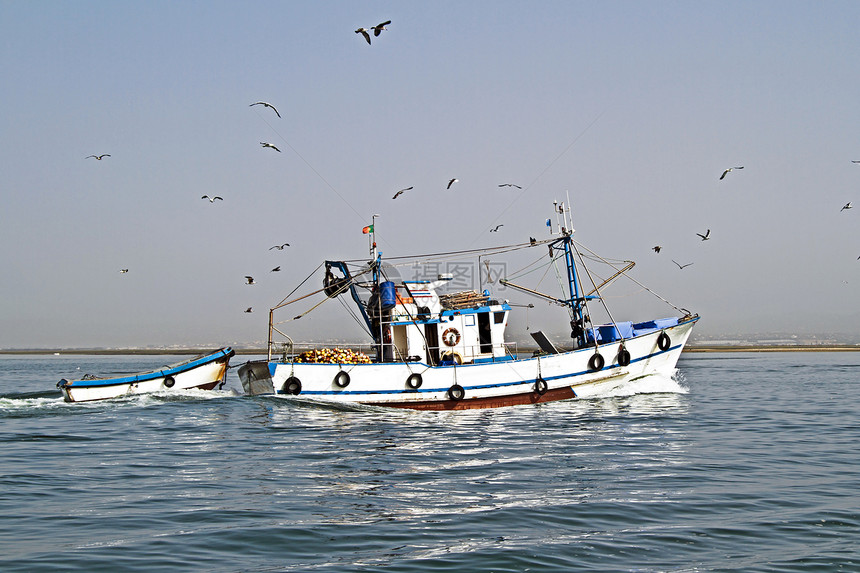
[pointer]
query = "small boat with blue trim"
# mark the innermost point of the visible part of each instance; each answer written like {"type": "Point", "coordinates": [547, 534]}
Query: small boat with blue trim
{"type": "Point", "coordinates": [205, 372]}
{"type": "Point", "coordinates": [447, 351]}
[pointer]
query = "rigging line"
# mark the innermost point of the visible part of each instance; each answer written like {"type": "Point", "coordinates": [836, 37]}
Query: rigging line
{"type": "Point", "coordinates": [632, 279]}
{"type": "Point", "coordinates": [351, 312]}
{"type": "Point", "coordinates": [599, 296]}
{"type": "Point", "coordinates": [318, 174]}
{"type": "Point", "coordinates": [488, 250]}
{"type": "Point", "coordinates": [300, 285]}
{"type": "Point", "coordinates": [541, 174]}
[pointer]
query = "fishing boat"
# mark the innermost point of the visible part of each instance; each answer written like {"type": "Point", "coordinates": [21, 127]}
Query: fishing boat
{"type": "Point", "coordinates": [205, 372]}
{"type": "Point", "coordinates": [434, 350]}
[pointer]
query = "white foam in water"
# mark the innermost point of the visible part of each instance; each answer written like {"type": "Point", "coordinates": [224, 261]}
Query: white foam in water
{"type": "Point", "coordinates": [654, 384]}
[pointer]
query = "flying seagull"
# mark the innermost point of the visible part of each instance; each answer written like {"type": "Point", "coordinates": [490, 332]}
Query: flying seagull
{"type": "Point", "coordinates": [280, 247]}
{"type": "Point", "coordinates": [729, 170]}
{"type": "Point", "coordinates": [847, 206]}
{"type": "Point", "coordinates": [399, 193]}
{"type": "Point", "coordinates": [364, 33]}
{"type": "Point", "coordinates": [855, 161]}
{"type": "Point", "coordinates": [248, 309]}
{"type": "Point", "coordinates": [275, 270]}
{"type": "Point", "coordinates": [680, 266]}
{"type": "Point", "coordinates": [249, 280]}
{"type": "Point", "coordinates": [451, 182]}
{"type": "Point", "coordinates": [706, 236]}
{"type": "Point", "coordinates": [656, 249]}
{"type": "Point", "coordinates": [510, 185]}
{"type": "Point", "coordinates": [264, 144]}
{"type": "Point", "coordinates": [99, 157]}
{"type": "Point", "coordinates": [377, 30]}
{"type": "Point", "coordinates": [266, 104]}
{"type": "Point", "coordinates": [212, 199]}
{"type": "Point", "coordinates": [496, 229]}
{"type": "Point", "coordinates": [123, 271]}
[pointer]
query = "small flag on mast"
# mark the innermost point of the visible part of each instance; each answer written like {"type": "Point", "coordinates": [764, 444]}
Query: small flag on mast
{"type": "Point", "coordinates": [367, 230]}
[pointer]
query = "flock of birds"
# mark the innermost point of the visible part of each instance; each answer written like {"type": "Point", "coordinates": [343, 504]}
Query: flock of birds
{"type": "Point", "coordinates": [707, 234]}
{"type": "Point", "coordinates": [377, 30]}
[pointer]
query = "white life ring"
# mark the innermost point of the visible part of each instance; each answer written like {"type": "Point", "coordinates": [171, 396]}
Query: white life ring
{"type": "Point", "coordinates": [451, 336]}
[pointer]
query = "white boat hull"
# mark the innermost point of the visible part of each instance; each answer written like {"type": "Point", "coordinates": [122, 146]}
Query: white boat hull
{"type": "Point", "coordinates": [205, 373]}
{"type": "Point", "coordinates": [483, 385]}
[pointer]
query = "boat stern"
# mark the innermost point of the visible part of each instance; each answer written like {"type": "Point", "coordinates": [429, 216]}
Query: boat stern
{"type": "Point", "coordinates": [256, 378]}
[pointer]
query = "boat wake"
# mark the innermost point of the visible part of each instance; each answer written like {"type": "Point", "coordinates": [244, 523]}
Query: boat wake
{"type": "Point", "coordinates": [652, 384]}
{"type": "Point", "coordinates": [23, 403]}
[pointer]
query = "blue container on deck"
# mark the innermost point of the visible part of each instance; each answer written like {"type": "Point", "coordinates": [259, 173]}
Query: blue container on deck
{"type": "Point", "coordinates": [387, 295]}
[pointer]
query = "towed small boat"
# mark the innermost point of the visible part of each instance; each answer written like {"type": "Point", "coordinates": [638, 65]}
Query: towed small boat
{"type": "Point", "coordinates": [204, 372]}
{"type": "Point", "coordinates": [447, 351]}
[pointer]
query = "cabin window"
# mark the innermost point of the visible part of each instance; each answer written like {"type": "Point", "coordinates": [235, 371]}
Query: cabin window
{"type": "Point", "coordinates": [498, 317]}
{"type": "Point", "coordinates": [469, 320]}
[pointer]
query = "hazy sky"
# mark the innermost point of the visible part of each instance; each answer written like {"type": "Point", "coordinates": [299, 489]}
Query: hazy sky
{"type": "Point", "coordinates": [634, 108]}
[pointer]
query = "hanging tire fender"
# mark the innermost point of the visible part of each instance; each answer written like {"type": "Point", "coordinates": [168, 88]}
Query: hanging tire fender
{"type": "Point", "coordinates": [169, 381]}
{"type": "Point", "coordinates": [414, 381]}
{"type": "Point", "coordinates": [341, 379]}
{"type": "Point", "coordinates": [292, 386]}
{"type": "Point", "coordinates": [456, 392]}
{"type": "Point", "coordinates": [540, 386]}
{"type": "Point", "coordinates": [663, 341]}
{"type": "Point", "coordinates": [623, 356]}
{"type": "Point", "coordinates": [596, 362]}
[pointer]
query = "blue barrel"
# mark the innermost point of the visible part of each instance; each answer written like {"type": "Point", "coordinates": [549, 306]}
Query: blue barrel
{"type": "Point", "coordinates": [387, 295]}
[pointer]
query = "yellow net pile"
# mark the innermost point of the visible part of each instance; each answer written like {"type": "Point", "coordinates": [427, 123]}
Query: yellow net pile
{"type": "Point", "coordinates": [333, 356]}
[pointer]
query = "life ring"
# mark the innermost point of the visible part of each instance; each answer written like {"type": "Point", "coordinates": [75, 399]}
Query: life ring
{"type": "Point", "coordinates": [540, 386]}
{"type": "Point", "coordinates": [456, 392]}
{"type": "Point", "coordinates": [292, 386]}
{"type": "Point", "coordinates": [596, 362]}
{"type": "Point", "coordinates": [414, 381]}
{"type": "Point", "coordinates": [451, 336]}
{"type": "Point", "coordinates": [453, 357]}
{"type": "Point", "coordinates": [663, 342]}
{"type": "Point", "coordinates": [169, 381]}
{"type": "Point", "coordinates": [623, 356]}
{"type": "Point", "coordinates": [341, 379]}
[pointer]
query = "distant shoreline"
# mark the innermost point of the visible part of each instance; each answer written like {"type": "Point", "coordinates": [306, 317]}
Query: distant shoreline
{"type": "Point", "coordinates": [260, 351]}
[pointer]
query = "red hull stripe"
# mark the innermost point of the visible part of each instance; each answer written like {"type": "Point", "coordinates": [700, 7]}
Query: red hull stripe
{"type": "Point", "coordinates": [466, 403]}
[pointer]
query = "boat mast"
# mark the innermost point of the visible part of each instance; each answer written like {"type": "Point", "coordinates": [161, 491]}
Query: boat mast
{"type": "Point", "coordinates": [576, 301]}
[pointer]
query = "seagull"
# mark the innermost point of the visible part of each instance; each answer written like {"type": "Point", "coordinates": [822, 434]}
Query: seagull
{"type": "Point", "coordinates": [99, 157]}
{"type": "Point", "coordinates": [510, 185]}
{"type": "Point", "coordinates": [123, 271]}
{"type": "Point", "coordinates": [275, 270]}
{"type": "Point", "coordinates": [656, 249]}
{"type": "Point", "coordinates": [248, 309]}
{"type": "Point", "coordinates": [266, 104]}
{"type": "Point", "coordinates": [847, 206]}
{"type": "Point", "coordinates": [730, 169]}
{"type": "Point", "coordinates": [264, 144]}
{"type": "Point", "coordinates": [497, 228]}
{"type": "Point", "coordinates": [249, 280]}
{"type": "Point", "coordinates": [212, 199]}
{"type": "Point", "coordinates": [380, 27]}
{"type": "Point", "coordinates": [706, 236]}
{"type": "Point", "coordinates": [399, 193]}
{"type": "Point", "coordinates": [451, 182]}
{"type": "Point", "coordinates": [680, 266]}
{"type": "Point", "coordinates": [280, 247]}
{"type": "Point", "coordinates": [364, 33]}
{"type": "Point", "coordinates": [855, 161]}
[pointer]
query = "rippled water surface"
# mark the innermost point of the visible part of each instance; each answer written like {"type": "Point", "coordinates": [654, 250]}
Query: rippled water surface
{"type": "Point", "coordinates": [743, 462]}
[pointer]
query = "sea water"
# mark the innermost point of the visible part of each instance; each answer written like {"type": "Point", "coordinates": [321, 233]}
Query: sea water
{"type": "Point", "coordinates": [741, 462]}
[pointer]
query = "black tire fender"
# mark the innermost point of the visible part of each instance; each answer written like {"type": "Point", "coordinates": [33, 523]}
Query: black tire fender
{"type": "Point", "coordinates": [456, 392]}
{"type": "Point", "coordinates": [663, 341]}
{"type": "Point", "coordinates": [623, 357]}
{"type": "Point", "coordinates": [596, 362]}
{"type": "Point", "coordinates": [169, 381]}
{"type": "Point", "coordinates": [341, 379]}
{"type": "Point", "coordinates": [414, 381]}
{"type": "Point", "coordinates": [292, 386]}
{"type": "Point", "coordinates": [540, 386]}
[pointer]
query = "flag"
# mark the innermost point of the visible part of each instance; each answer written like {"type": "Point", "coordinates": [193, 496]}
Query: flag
{"type": "Point", "coordinates": [367, 230]}
{"type": "Point", "coordinates": [548, 223]}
